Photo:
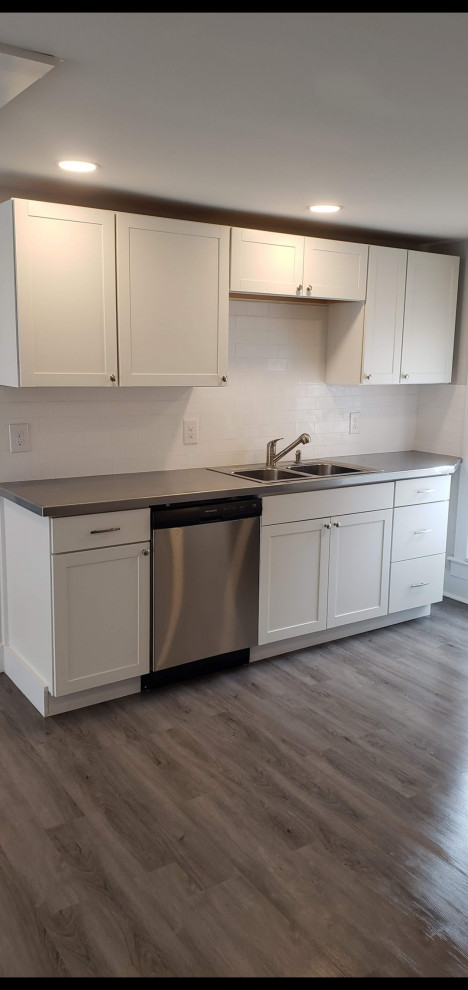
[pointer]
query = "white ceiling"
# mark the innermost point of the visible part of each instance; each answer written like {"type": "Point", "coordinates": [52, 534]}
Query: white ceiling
{"type": "Point", "coordinates": [261, 113]}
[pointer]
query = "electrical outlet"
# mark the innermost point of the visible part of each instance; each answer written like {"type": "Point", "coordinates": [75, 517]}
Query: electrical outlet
{"type": "Point", "coordinates": [190, 430]}
{"type": "Point", "coordinates": [19, 437]}
{"type": "Point", "coordinates": [354, 422]}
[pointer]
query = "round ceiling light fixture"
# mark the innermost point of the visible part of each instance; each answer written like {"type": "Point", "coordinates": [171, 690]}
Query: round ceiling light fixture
{"type": "Point", "coordinates": [70, 166]}
{"type": "Point", "coordinates": [324, 208]}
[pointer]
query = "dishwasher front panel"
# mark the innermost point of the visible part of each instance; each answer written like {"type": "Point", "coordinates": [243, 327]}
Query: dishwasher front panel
{"type": "Point", "coordinates": [205, 590]}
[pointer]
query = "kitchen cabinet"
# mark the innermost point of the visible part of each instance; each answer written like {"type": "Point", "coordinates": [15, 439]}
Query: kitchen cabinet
{"type": "Point", "coordinates": [419, 542]}
{"type": "Point", "coordinates": [58, 285]}
{"type": "Point", "coordinates": [324, 571]}
{"type": "Point", "coordinates": [359, 567]}
{"type": "Point", "coordinates": [172, 301]}
{"type": "Point", "coordinates": [294, 579]}
{"type": "Point", "coordinates": [404, 332]}
{"type": "Point", "coordinates": [100, 601]}
{"type": "Point", "coordinates": [77, 602]}
{"type": "Point", "coordinates": [305, 267]}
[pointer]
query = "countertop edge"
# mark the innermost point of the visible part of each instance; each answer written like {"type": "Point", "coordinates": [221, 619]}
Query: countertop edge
{"type": "Point", "coordinates": [250, 489]}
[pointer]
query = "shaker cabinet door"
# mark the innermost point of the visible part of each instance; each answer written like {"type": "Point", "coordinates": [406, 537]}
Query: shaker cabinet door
{"type": "Point", "coordinates": [65, 294]}
{"type": "Point", "coordinates": [173, 301]}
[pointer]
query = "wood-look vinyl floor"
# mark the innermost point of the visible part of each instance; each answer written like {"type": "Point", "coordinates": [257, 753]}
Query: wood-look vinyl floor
{"type": "Point", "coordinates": [304, 817]}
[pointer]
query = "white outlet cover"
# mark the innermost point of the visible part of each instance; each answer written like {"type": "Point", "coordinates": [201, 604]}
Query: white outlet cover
{"type": "Point", "coordinates": [19, 438]}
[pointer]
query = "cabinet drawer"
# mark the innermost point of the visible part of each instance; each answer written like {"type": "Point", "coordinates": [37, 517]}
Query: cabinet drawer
{"type": "Point", "coordinates": [327, 502]}
{"type": "Point", "coordinates": [419, 530]}
{"type": "Point", "coordinates": [101, 529]}
{"type": "Point", "coordinates": [416, 582]}
{"type": "Point", "coordinates": [418, 490]}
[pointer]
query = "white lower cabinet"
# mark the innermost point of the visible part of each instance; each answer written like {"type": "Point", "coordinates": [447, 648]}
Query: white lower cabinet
{"type": "Point", "coordinates": [359, 567]}
{"type": "Point", "coordinates": [325, 572]}
{"type": "Point", "coordinates": [294, 579]}
{"type": "Point", "coordinates": [417, 582]}
{"type": "Point", "coordinates": [101, 616]}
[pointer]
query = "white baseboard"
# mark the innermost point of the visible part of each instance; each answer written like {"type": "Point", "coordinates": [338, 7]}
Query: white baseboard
{"type": "Point", "coordinates": [83, 699]}
{"type": "Point", "coordinates": [26, 679]}
{"type": "Point", "coordinates": [456, 598]}
{"type": "Point", "coordinates": [327, 635]}
{"type": "Point", "coordinates": [36, 690]}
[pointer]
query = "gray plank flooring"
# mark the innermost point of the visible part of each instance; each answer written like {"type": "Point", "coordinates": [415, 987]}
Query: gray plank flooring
{"type": "Point", "coordinates": [304, 817]}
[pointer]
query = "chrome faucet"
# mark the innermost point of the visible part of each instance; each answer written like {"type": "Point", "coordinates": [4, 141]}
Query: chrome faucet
{"type": "Point", "coordinates": [272, 457]}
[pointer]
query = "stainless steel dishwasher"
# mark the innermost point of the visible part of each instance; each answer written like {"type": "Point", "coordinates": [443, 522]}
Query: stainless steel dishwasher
{"type": "Point", "coordinates": [205, 585]}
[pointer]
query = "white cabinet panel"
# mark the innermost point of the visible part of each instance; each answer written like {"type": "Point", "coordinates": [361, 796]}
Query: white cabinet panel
{"type": "Point", "coordinates": [416, 582]}
{"type": "Point", "coordinates": [328, 501]}
{"type": "Point", "coordinates": [416, 491]}
{"type": "Point", "coordinates": [100, 529]}
{"type": "Point", "coordinates": [173, 298]}
{"type": "Point", "coordinates": [359, 567]}
{"type": "Point", "coordinates": [334, 269]}
{"type": "Point", "coordinates": [383, 319]}
{"type": "Point", "coordinates": [429, 323]}
{"type": "Point", "coordinates": [65, 294]}
{"type": "Point", "coordinates": [101, 605]}
{"type": "Point", "coordinates": [264, 262]}
{"type": "Point", "coordinates": [293, 579]}
{"type": "Point", "coordinates": [419, 530]}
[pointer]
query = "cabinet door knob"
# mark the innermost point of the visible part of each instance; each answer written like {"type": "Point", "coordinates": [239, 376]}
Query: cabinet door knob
{"type": "Point", "coordinates": [224, 378]}
{"type": "Point", "coordinates": [299, 288]}
{"type": "Point", "coordinates": [113, 378]}
{"type": "Point", "coordinates": [327, 525]}
{"type": "Point", "coordinates": [405, 376]}
{"type": "Point", "coordinates": [145, 553]}
{"type": "Point", "coordinates": [309, 289]}
{"type": "Point", "coordinates": [337, 524]}
{"type": "Point", "coordinates": [367, 377]}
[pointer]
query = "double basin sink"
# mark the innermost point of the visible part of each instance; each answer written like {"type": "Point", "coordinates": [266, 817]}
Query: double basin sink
{"type": "Point", "coordinates": [294, 472]}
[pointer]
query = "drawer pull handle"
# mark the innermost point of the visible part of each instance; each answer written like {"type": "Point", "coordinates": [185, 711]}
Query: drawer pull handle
{"type": "Point", "coordinates": [421, 584]}
{"type": "Point", "coordinates": [112, 529]}
{"type": "Point", "coordinates": [425, 491]}
{"type": "Point", "coordinates": [418, 532]}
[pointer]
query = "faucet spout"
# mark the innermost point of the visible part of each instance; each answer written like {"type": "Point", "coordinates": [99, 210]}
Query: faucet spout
{"type": "Point", "coordinates": [272, 457]}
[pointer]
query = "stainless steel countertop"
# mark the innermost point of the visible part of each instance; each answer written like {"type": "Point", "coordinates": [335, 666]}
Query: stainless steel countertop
{"type": "Point", "coordinates": [106, 493]}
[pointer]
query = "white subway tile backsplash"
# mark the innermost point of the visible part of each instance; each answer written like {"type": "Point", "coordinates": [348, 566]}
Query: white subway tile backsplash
{"type": "Point", "coordinates": [276, 388]}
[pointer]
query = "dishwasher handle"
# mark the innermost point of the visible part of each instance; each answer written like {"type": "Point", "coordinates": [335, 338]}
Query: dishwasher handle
{"type": "Point", "coordinates": [196, 514]}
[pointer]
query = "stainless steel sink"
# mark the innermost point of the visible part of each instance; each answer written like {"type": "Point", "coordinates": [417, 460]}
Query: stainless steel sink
{"type": "Point", "coordinates": [264, 474]}
{"type": "Point", "coordinates": [292, 472]}
{"type": "Point", "coordinates": [320, 469]}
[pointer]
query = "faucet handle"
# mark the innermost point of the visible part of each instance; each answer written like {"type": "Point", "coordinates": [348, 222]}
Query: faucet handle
{"type": "Point", "coordinates": [277, 440]}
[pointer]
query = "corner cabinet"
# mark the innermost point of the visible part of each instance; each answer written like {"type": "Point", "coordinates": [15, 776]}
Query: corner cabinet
{"type": "Point", "coordinates": [57, 285]}
{"type": "Point", "coordinates": [267, 263]}
{"type": "Point", "coordinates": [405, 330]}
{"type": "Point", "coordinates": [67, 281]}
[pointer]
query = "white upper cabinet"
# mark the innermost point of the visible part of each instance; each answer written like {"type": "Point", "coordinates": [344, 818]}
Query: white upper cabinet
{"type": "Point", "coordinates": [57, 284]}
{"type": "Point", "coordinates": [306, 267]}
{"type": "Point", "coordinates": [61, 303]}
{"type": "Point", "coordinates": [262, 262]}
{"type": "Point", "coordinates": [334, 269]}
{"type": "Point", "coordinates": [429, 323]}
{"type": "Point", "coordinates": [404, 332]}
{"type": "Point", "coordinates": [383, 315]}
{"type": "Point", "coordinates": [173, 301]}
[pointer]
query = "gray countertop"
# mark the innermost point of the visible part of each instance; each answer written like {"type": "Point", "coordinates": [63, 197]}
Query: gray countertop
{"type": "Point", "coordinates": [109, 492]}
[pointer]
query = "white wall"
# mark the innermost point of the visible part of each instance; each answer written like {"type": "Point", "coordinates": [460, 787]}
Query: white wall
{"type": "Point", "coordinates": [276, 371]}
{"type": "Point", "coordinates": [442, 427]}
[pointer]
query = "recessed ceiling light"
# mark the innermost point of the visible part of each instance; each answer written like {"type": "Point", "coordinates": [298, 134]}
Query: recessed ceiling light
{"type": "Point", "coordinates": [78, 166]}
{"type": "Point", "coordinates": [324, 208]}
